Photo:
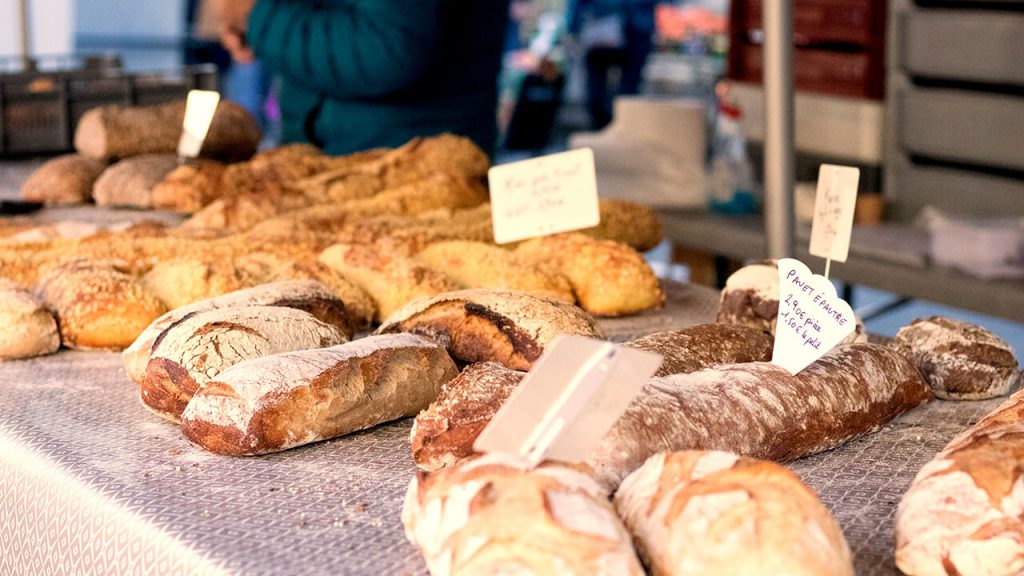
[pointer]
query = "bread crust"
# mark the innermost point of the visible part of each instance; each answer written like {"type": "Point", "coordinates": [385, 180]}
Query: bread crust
{"type": "Point", "coordinates": [63, 180]}
{"type": "Point", "coordinates": [29, 329]}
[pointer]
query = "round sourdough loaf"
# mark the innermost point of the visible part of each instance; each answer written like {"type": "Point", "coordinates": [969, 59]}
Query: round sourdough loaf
{"type": "Point", "coordinates": [27, 328]}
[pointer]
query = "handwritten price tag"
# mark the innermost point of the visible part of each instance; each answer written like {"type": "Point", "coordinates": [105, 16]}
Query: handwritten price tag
{"type": "Point", "coordinates": [812, 317]}
{"type": "Point", "coordinates": [834, 204]}
{"type": "Point", "coordinates": [545, 195]}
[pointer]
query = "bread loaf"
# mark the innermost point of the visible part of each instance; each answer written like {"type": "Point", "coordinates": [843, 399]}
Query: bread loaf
{"type": "Point", "coordinates": [182, 281]}
{"type": "Point", "coordinates": [962, 513]}
{"type": "Point", "coordinates": [201, 345]}
{"type": "Point", "coordinates": [305, 295]}
{"type": "Point", "coordinates": [694, 513]}
{"type": "Point", "coordinates": [189, 187]}
{"type": "Point", "coordinates": [116, 131]}
{"type": "Point", "coordinates": [760, 410]}
{"type": "Point", "coordinates": [63, 180]}
{"type": "Point", "coordinates": [443, 434]}
{"type": "Point", "coordinates": [27, 328]}
{"type": "Point", "coordinates": [130, 182]}
{"type": "Point", "coordinates": [629, 223]}
{"type": "Point", "coordinates": [494, 516]}
{"type": "Point", "coordinates": [609, 279]}
{"type": "Point", "coordinates": [480, 265]}
{"type": "Point", "coordinates": [511, 328]}
{"type": "Point", "coordinates": [97, 305]}
{"type": "Point", "coordinates": [959, 360]}
{"type": "Point", "coordinates": [286, 400]}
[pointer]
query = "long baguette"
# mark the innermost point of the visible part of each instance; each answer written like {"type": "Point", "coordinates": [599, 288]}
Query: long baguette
{"type": "Point", "coordinates": [962, 513]}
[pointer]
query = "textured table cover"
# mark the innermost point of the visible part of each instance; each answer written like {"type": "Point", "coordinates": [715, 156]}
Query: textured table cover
{"type": "Point", "coordinates": [92, 483]}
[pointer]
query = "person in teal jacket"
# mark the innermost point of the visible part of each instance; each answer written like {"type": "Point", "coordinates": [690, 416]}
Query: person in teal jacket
{"type": "Point", "coordinates": [360, 74]}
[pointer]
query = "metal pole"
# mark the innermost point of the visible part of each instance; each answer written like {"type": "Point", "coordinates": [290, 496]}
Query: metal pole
{"type": "Point", "coordinates": [27, 64]}
{"type": "Point", "coordinates": [778, 134]}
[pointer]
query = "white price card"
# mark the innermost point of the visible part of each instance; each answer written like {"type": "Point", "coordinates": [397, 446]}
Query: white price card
{"type": "Point", "coordinates": [564, 406]}
{"type": "Point", "coordinates": [545, 195]}
{"type": "Point", "coordinates": [812, 317]}
{"type": "Point", "coordinates": [834, 204]}
{"type": "Point", "coordinates": [199, 109]}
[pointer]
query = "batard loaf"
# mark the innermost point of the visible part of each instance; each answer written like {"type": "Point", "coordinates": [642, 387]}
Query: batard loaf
{"type": "Point", "coordinates": [307, 295]}
{"type": "Point", "coordinates": [27, 328]}
{"type": "Point", "coordinates": [443, 434]}
{"type": "Point", "coordinates": [695, 513]}
{"type": "Point", "coordinates": [962, 513]}
{"type": "Point", "coordinates": [290, 399]}
{"type": "Point", "coordinates": [504, 326]}
{"type": "Point", "coordinates": [494, 516]}
{"type": "Point", "coordinates": [64, 180]}
{"type": "Point", "coordinates": [201, 345]}
{"type": "Point", "coordinates": [97, 305]}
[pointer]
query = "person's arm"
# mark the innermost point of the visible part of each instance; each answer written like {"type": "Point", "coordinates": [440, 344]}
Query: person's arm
{"type": "Point", "coordinates": [347, 49]}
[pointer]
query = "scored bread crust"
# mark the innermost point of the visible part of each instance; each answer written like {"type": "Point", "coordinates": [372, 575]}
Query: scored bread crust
{"type": "Point", "coordinates": [509, 327]}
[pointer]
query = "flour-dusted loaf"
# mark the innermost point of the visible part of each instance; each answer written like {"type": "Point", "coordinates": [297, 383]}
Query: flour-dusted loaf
{"type": "Point", "coordinates": [117, 131]}
{"type": "Point", "coordinates": [307, 295]}
{"type": "Point", "coordinates": [494, 516]}
{"type": "Point", "coordinates": [960, 360]}
{"type": "Point", "coordinates": [758, 409]}
{"type": "Point", "coordinates": [504, 326]}
{"type": "Point", "coordinates": [27, 328]}
{"type": "Point", "coordinates": [444, 433]}
{"type": "Point", "coordinates": [962, 514]}
{"type": "Point", "coordinates": [609, 278]}
{"type": "Point", "coordinates": [694, 513]}
{"type": "Point", "coordinates": [195, 349]}
{"type": "Point", "coordinates": [64, 180]}
{"type": "Point", "coordinates": [97, 305]}
{"type": "Point", "coordinates": [130, 182]}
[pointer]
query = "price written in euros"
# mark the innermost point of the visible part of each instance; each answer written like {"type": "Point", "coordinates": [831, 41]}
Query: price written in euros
{"type": "Point", "coordinates": [805, 308]}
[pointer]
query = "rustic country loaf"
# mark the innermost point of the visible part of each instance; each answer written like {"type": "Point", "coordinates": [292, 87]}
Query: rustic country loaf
{"type": "Point", "coordinates": [629, 223]}
{"type": "Point", "coordinates": [97, 305]}
{"type": "Point", "coordinates": [493, 515]}
{"type": "Point", "coordinates": [717, 513]}
{"type": "Point", "coordinates": [130, 182]}
{"type": "Point", "coordinates": [443, 434]}
{"type": "Point", "coordinates": [290, 399]}
{"type": "Point", "coordinates": [63, 180]}
{"type": "Point", "coordinates": [182, 281]}
{"type": "Point", "coordinates": [511, 328]}
{"type": "Point", "coordinates": [189, 187]}
{"type": "Point", "coordinates": [306, 295]}
{"type": "Point", "coordinates": [117, 131]}
{"type": "Point", "coordinates": [27, 328]}
{"type": "Point", "coordinates": [959, 360]}
{"type": "Point", "coordinates": [962, 513]}
{"type": "Point", "coordinates": [203, 344]}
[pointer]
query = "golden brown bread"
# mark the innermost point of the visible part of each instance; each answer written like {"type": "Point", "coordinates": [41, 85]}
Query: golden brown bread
{"type": "Point", "coordinates": [183, 281]}
{"type": "Point", "coordinates": [97, 305]}
{"type": "Point", "coordinates": [697, 512]}
{"type": "Point", "coordinates": [290, 399]}
{"type": "Point", "coordinates": [629, 223]}
{"type": "Point", "coordinates": [117, 131]}
{"type": "Point", "coordinates": [63, 180]}
{"type": "Point", "coordinates": [504, 326]}
{"type": "Point", "coordinates": [27, 328]}
{"type": "Point", "coordinates": [130, 182]}
{"type": "Point", "coordinates": [189, 187]}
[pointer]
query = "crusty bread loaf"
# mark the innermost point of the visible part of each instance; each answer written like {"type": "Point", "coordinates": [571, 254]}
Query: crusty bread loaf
{"type": "Point", "coordinates": [117, 131]}
{"type": "Point", "coordinates": [758, 409]}
{"type": "Point", "coordinates": [959, 360]}
{"type": "Point", "coordinates": [63, 180]}
{"type": "Point", "coordinates": [195, 349]}
{"type": "Point", "coordinates": [130, 182]}
{"type": "Point", "coordinates": [307, 295]}
{"type": "Point", "coordinates": [511, 328]}
{"type": "Point", "coordinates": [27, 328]}
{"type": "Point", "coordinates": [182, 281]}
{"type": "Point", "coordinates": [495, 516]}
{"type": "Point", "coordinates": [391, 280]}
{"type": "Point", "coordinates": [97, 305]}
{"type": "Point", "coordinates": [189, 187]}
{"type": "Point", "coordinates": [443, 434]}
{"type": "Point", "coordinates": [609, 279]}
{"type": "Point", "coordinates": [286, 400]}
{"type": "Point", "coordinates": [480, 265]}
{"type": "Point", "coordinates": [717, 513]}
{"type": "Point", "coordinates": [627, 222]}
{"type": "Point", "coordinates": [962, 513]}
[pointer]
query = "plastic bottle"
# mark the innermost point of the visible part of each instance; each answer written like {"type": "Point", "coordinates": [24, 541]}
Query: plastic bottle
{"type": "Point", "coordinates": [730, 174]}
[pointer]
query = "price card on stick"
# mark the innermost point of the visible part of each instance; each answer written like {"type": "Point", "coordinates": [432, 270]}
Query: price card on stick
{"type": "Point", "coordinates": [812, 317]}
{"type": "Point", "coordinates": [564, 406]}
{"type": "Point", "coordinates": [545, 195]}
{"type": "Point", "coordinates": [199, 109]}
{"type": "Point", "coordinates": [834, 204]}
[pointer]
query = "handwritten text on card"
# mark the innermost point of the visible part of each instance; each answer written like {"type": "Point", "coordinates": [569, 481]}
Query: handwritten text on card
{"type": "Point", "coordinates": [834, 204]}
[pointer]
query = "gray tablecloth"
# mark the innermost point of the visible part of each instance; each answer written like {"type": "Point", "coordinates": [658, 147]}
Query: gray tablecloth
{"type": "Point", "coordinates": [92, 483]}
